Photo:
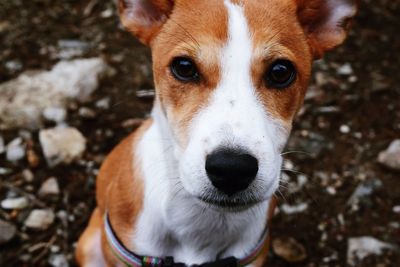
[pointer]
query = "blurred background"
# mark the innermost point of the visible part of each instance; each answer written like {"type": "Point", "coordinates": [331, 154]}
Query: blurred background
{"type": "Point", "coordinates": [69, 63]}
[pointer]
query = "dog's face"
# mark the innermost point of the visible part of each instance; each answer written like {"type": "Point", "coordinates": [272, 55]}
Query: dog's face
{"type": "Point", "coordinates": [230, 77]}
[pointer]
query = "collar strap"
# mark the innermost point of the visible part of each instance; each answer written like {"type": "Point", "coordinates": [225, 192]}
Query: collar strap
{"type": "Point", "coordinates": [130, 259]}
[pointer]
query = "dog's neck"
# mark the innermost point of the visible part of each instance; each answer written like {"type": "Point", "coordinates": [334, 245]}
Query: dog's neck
{"type": "Point", "coordinates": [174, 223]}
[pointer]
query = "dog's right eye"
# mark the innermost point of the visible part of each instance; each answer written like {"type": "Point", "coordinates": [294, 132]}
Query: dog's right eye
{"type": "Point", "coordinates": [184, 69]}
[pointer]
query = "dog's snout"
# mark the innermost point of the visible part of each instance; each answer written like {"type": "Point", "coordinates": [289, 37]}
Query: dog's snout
{"type": "Point", "coordinates": [231, 171]}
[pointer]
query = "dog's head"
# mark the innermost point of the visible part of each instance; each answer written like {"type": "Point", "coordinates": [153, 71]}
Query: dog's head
{"type": "Point", "coordinates": [230, 76]}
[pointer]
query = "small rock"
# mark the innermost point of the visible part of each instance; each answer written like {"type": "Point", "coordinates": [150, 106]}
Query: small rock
{"type": "Point", "coordinates": [145, 93]}
{"type": "Point", "coordinates": [396, 209]}
{"type": "Point", "coordinates": [345, 129]}
{"type": "Point", "coordinates": [88, 113]}
{"type": "Point", "coordinates": [391, 156]}
{"type": "Point", "coordinates": [345, 70]}
{"type": "Point", "coordinates": [18, 203]}
{"type": "Point", "coordinates": [364, 190]}
{"type": "Point", "coordinates": [7, 232]}
{"type": "Point", "coordinates": [289, 249]}
{"type": "Point", "coordinates": [62, 145]}
{"type": "Point", "coordinates": [33, 158]}
{"type": "Point", "coordinates": [15, 150]}
{"type": "Point", "coordinates": [103, 103]}
{"type": "Point", "coordinates": [13, 65]}
{"type": "Point", "coordinates": [4, 26]}
{"type": "Point", "coordinates": [27, 175]}
{"type": "Point", "coordinates": [361, 247]}
{"type": "Point", "coordinates": [68, 49]}
{"type": "Point", "coordinates": [40, 219]}
{"type": "Point", "coordinates": [58, 260]}
{"type": "Point", "coordinates": [49, 188]}
{"type": "Point", "coordinates": [25, 99]}
{"type": "Point", "coordinates": [56, 114]}
{"type": "Point", "coordinates": [287, 209]}
{"type": "Point", "coordinates": [2, 146]}
{"type": "Point", "coordinates": [331, 190]}
{"type": "Point", "coordinates": [5, 171]}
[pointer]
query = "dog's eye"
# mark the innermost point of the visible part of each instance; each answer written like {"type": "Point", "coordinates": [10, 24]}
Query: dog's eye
{"type": "Point", "coordinates": [184, 69]}
{"type": "Point", "coordinates": [280, 74]}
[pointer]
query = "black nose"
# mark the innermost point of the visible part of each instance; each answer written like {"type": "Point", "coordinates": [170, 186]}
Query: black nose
{"type": "Point", "coordinates": [231, 171]}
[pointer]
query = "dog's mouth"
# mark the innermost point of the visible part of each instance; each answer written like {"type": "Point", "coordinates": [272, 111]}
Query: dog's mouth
{"type": "Point", "coordinates": [235, 204]}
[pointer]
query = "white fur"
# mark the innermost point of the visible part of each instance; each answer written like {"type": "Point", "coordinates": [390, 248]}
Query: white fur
{"type": "Point", "coordinates": [174, 222]}
{"type": "Point", "coordinates": [340, 10]}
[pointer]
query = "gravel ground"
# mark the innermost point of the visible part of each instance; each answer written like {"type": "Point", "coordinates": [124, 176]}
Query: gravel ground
{"type": "Point", "coordinates": [336, 196]}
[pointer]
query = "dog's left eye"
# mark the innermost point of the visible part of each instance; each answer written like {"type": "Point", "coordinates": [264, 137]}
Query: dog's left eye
{"type": "Point", "coordinates": [184, 69]}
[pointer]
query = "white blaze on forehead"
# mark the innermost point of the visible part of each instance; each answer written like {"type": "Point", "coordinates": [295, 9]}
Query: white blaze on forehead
{"type": "Point", "coordinates": [237, 55]}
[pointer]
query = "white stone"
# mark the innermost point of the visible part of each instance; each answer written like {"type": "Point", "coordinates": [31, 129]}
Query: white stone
{"type": "Point", "coordinates": [28, 175]}
{"type": "Point", "coordinates": [288, 209]}
{"type": "Point", "coordinates": [40, 219]}
{"type": "Point", "coordinates": [15, 150]}
{"type": "Point", "coordinates": [345, 129]}
{"type": "Point", "coordinates": [62, 145]}
{"type": "Point", "coordinates": [345, 69]}
{"type": "Point", "coordinates": [18, 203]}
{"type": "Point", "coordinates": [103, 103]}
{"type": "Point", "coordinates": [396, 209]}
{"type": "Point", "coordinates": [25, 98]}
{"type": "Point", "coordinates": [58, 260]}
{"type": "Point", "coordinates": [49, 188]}
{"type": "Point", "coordinates": [391, 156]}
{"type": "Point", "coordinates": [361, 247]}
{"type": "Point", "coordinates": [56, 114]}
{"type": "Point", "coordinates": [7, 231]}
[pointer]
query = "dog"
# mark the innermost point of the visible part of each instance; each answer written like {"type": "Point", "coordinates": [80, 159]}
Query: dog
{"type": "Point", "coordinates": [194, 185]}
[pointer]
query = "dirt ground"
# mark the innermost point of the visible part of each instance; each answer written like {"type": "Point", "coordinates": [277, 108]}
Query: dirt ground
{"type": "Point", "coordinates": [352, 112]}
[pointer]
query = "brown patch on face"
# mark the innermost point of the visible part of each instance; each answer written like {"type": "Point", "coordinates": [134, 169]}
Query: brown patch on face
{"type": "Point", "coordinates": [196, 29]}
{"type": "Point", "coordinates": [276, 34]}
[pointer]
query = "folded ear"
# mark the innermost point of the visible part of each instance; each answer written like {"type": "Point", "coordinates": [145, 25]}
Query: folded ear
{"type": "Point", "coordinates": [144, 18]}
{"type": "Point", "coordinates": [325, 22]}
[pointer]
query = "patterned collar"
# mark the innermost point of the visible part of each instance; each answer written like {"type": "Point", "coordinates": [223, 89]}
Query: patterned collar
{"type": "Point", "coordinates": [130, 259]}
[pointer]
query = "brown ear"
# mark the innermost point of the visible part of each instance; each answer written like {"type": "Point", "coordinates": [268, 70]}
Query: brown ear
{"type": "Point", "coordinates": [325, 22]}
{"type": "Point", "coordinates": [144, 18]}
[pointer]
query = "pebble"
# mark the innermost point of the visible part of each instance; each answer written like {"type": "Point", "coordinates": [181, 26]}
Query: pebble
{"type": "Point", "coordinates": [287, 209]}
{"type": "Point", "coordinates": [103, 103]}
{"type": "Point", "coordinates": [33, 158]}
{"type": "Point", "coordinates": [345, 70]}
{"type": "Point", "coordinates": [345, 129]}
{"type": "Point", "coordinates": [7, 232]}
{"type": "Point", "coordinates": [145, 93]}
{"type": "Point", "coordinates": [68, 49]}
{"type": "Point", "coordinates": [391, 156]}
{"type": "Point", "coordinates": [58, 260]}
{"type": "Point", "coordinates": [15, 150]}
{"type": "Point", "coordinates": [28, 175]}
{"type": "Point", "coordinates": [88, 113]}
{"type": "Point", "coordinates": [40, 219]}
{"type": "Point", "coordinates": [49, 188]}
{"type": "Point", "coordinates": [364, 190]}
{"type": "Point", "coordinates": [56, 114]}
{"type": "Point", "coordinates": [289, 249]}
{"type": "Point", "coordinates": [62, 145]}
{"type": "Point", "coordinates": [361, 247]}
{"type": "Point", "coordinates": [2, 146]}
{"type": "Point", "coordinates": [396, 209]}
{"type": "Point", "coordinates": [18, 203]}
